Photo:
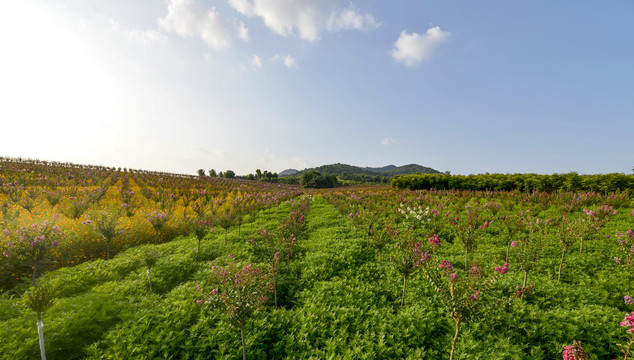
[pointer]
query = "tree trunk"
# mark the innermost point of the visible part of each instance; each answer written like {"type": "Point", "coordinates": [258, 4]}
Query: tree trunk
{"type": "Point", "coordinates": [149, 276]}
{"type": "Point", "coordinates": [244, 349]}
{"type": "Point", "coordinates": [508, 249]}
{"type": "Point", "coordinates": [34, 273]}
{"type": "Point", "coordinates": [404, 287]}
{"type": "Point", "coordinates": [629, 347]}
{"type": "Point", "coordinates": [455, 339]}
{"type": "Point", "coordinates": [580, 245]}
{"type": "Point", "coordinates": [561, 264]}
{"type": "Point", "coordinates": [275, 288]}
{"type": "Point", "coordinates": [40, 333]}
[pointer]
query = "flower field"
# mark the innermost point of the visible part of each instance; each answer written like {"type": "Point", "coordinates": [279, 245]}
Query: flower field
{"type": "Point", "coordinates": [123, 264]}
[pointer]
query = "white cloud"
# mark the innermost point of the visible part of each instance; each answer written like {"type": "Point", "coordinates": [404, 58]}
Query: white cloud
{"type": "Point", "coordinates": [256, 62]}
{"type": "Point", "coordinates": [411, 49]}
{"type": "Point", "coordinates": [387, 141]}
{"type": "Point", "coordinates": [304, 18]}
{"type": "Point", "coordinates": [186, 19]}
{"type": "Point", "coordinates": [288, 60]}
{"type": "Point", "coordinates": [350, 19]}
{"type": "Point", "coordinates": [146, 37]}
{"type": "Point", "coordinates": [114, 25]}
{"type": "Point", "coordinates": [243, 32]}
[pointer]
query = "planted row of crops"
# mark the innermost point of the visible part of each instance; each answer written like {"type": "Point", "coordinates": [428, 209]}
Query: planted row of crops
{"type": "Point", "coordinates": [366, 272]}
{"type": "Point", "coordinates": [141, 303]}
{"type": "Point", "coordinates": [565, 258]}
{"type": "Point", "coordinates": [52, 217]}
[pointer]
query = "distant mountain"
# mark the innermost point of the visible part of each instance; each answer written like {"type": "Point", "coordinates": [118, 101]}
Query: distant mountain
{"type": "Point", "coordinates": [381, 169]}
{"type": "Point", "coordinates": [288, 172]}
{"type": "Point", "coordinates": [358, 173]}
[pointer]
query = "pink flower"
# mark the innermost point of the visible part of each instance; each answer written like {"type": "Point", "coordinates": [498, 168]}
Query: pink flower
{"type": "Point", "coordinates": [445, 264]}
{"type": "Point", "coordinates": [503, 269]}
{"type": "Point", "coordinates": [513, 243]}
{"type": "Point", "coordinates": [628, 322]}
{"type": "Point", "coordinates": [434, 240]}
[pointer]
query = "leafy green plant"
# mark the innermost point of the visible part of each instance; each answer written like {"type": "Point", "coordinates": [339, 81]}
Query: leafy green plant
{"type": "Point", "coordinates": [408, 255]}
{"type": "Point", "coordinates": [107, 225]}
{"type": "Point", "coordinates": [200, 227]}
{"type": "Point", "coordinates": [149, 257]}
{"type": "Point", "coordinates": [468, 229]}
{"type": "Point", "coordinates": [158, 219]}
{"type": "Point", "coordinates": [32, 245]}
{"type": "Point", "coordinates": [238, 292]}
{"type": "Point", "coordinates": [39, 298]}
{"type": "Point", "coordinates": [465, 297]}
{"type": "Point", "coordinates": [567, 234]}
{"type": "Point", "coordinates": [531, 246]}
{"type": "Point", "coordinates": [626, 250]}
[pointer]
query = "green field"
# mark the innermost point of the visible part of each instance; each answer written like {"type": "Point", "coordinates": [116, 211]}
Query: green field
{"type": "Point", "coordinates": [339, 292]}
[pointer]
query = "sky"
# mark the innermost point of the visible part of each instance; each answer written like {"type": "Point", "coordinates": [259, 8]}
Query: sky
{"type": "Point", "coordinates": [180, 85]}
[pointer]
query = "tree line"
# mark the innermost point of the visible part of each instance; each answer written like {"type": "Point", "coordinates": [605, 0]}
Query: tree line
{"type": "Point", "coordinates": [601, 183]}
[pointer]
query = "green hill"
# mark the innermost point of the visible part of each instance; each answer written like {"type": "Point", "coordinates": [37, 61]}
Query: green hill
{"type": "Point", "coordinates": [366, 174]}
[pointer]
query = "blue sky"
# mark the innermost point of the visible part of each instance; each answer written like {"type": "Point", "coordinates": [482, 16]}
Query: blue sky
{"type": "Point", "coordinates": [462, 86]}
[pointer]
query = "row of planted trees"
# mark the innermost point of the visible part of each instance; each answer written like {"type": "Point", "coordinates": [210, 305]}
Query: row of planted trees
{"type": "Point", "coordinates": [53, 217]}
{"type": "Point", "coordinates": [412, 239]}
{"type": "Point", "coordinates": [238, 291]}
{"type": "Point", "coordinates": [470, 219]}
{"type": "Point", "coordinates": [604, 183]}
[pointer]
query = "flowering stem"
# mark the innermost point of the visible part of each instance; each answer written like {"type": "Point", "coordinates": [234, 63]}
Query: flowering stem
{"type": "Point", "coordinates": [580, 245]}
{"type": "Point", "coordinates": [525, 277]}
{"type": "Point", "coordinates": [508, 249]}
{"type": "Point", "coordinates": [149, 276]}
{"type": "Point", "coordinates": [466, 259]}
{"type": "Point", "coordinates": [275, 288]}
{"type": "Point", "coordinates": [455, 339]}
{"type": "Point", "coordinates": [629, 347]}
{"type": "Point", "coordinates": [561, 264]}
{"type": "Point", "coordinates": [198, 254]}
{"type": "Point", "coordinates": [404, 286]}
{"type": "Point", "coordinates": [244, 349]}
{"type": "Point", "coordinates": [34, 273]}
